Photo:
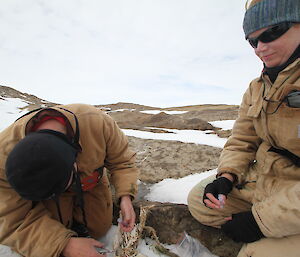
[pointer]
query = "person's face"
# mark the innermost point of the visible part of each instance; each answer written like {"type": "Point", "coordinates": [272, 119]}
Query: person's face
{"type": "Point", "coordinates": [277, 52]}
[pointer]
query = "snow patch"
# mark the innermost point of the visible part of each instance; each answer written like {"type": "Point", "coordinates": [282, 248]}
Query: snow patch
{"type": "Point", "coordinates": [9, 109]}
{"type": "Point", "coordinates": [185, 136]}
{"type": "Point", "coordinates": [176, 190]}
{"type": "Point", "coordinates": [223, 124]}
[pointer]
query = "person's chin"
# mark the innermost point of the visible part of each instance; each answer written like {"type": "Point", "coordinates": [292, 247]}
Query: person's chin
{"type": "Point", "coordinates": [271, 63]}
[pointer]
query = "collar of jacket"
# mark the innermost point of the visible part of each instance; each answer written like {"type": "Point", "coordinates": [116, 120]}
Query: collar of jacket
{"type": "Point", "coordinates": [291, 66]}
{"type": "Point", "coordinates": [274, 71]}
{"type": "Point", "coordinates": [63, 109]}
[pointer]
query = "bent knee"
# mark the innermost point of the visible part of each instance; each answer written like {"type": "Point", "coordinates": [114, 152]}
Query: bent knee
{"type": "Point", "coordinates": [275, 247]}
{"type": "Point", "coordinates": [196, 206]}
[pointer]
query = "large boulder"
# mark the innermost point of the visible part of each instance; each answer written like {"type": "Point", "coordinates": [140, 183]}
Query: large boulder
{"type": "Point", "coordinates": [133, 119]}
{"type": "Point", "coordinates": [164, 120]}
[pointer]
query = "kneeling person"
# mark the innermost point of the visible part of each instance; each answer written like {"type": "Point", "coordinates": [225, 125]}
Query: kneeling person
{"type": "Point", "coordinates": [55, 195]}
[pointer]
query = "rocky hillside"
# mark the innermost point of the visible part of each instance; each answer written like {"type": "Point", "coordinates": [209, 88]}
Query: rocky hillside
{"type": "Point", "coordinates": [157, 159]}
{"type": "Point", "coordinates": [131, 116]}
{"type": "Point", "coordinates": [126, 106]}
{"type": "Point", "coordinates": [32, 101]}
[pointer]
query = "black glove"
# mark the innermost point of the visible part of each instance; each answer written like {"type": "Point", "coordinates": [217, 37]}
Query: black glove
{"type": "Point", "coordinates": [242, 228]}
{"type": "Point", "coordinates": [221, 185]}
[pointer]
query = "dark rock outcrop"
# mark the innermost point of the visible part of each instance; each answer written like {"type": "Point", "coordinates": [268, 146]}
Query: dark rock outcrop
{"type": "Point", "coordinates": [171, 220]}
{"type": "Point", "coordinates": [129, 106]}
{"type": "Point", "coordinates": [164, 120]}
{"type": "Point", "coordinates": [138, 120]}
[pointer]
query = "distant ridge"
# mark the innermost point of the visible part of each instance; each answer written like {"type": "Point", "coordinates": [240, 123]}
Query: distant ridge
{"type": "Point", "coordinates": [139, 107]}
{"type": "Point", "coordinates": [128, 106]}
{"type": "Point", "coordinates": [35, 102]}
{"type": "Point", "coordinates": [131, 116]}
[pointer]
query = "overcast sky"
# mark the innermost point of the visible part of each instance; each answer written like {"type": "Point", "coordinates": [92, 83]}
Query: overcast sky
{"type": "Point", "coordinates": [154, 52]}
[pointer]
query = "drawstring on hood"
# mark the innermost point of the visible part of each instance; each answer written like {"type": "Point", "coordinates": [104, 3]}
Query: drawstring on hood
{"type": "Point", "coordinates": [79, 197]}
{"type": "Point", "coordinates": [78, 187]}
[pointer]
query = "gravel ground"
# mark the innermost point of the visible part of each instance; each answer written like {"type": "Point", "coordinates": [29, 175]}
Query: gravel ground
{"type": "Point", "coordinates": [159, 159]}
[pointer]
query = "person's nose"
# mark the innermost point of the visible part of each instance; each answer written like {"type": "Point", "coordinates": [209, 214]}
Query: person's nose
{"type": "Point", "coordinates": [261, 46]}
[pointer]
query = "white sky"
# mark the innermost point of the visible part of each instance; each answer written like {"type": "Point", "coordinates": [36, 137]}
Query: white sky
{"type": "Point", "coordinates": [159, 52]}
{"type": "Point", "coordinates": [168, 190]}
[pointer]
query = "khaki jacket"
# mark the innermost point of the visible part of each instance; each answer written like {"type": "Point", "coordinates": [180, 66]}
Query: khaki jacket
{"type": "Point", "coordinates": [33, 231]}
{"type": "Point", "coordinates": [262, 123]}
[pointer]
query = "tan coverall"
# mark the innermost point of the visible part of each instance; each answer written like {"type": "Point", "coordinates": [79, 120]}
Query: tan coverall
{"type": "Point", "coordinates": [273, 189]}
{"type": "Point", "coordinates": [35, 230]}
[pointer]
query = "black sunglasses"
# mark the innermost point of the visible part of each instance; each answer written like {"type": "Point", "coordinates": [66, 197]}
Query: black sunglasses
{"type": "Point", "coordinates": [270, 34]}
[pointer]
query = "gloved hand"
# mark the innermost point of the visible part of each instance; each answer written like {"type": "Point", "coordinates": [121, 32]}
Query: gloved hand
{"type": "Point", "coordinates": [221, 185]}
{"type": "Point", "coordinates": [242, 228]}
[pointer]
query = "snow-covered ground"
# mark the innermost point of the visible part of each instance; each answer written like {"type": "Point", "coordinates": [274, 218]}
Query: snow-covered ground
{"type": "Point", "coordinates": [176, 190]}
{"type": "Point", "coordinates": [168, 190]}
{"type": "Point", "coordinates": [121, 110]}
{"type": "Point", "coordinates": [10, 111]}
{"type": "Point", "coordinates": [223, 124]}
{"type": "Point", "coordinates": [186, 136]}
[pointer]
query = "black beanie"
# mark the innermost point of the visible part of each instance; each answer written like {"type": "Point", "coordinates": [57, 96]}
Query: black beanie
{"type": "Point", "coordinates": [41, 165]}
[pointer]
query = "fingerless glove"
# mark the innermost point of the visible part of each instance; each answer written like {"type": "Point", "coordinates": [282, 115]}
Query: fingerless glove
{"type": "Point", "coordinates": [221, 185]}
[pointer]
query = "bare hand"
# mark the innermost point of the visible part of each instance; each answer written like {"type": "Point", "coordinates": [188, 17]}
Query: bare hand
{"type": "Point", "coordinates": [82, 247]}
{"type": "Point", "coordinates": [228, 218]}
{"type": "Point", "coordinates": [128, 214]}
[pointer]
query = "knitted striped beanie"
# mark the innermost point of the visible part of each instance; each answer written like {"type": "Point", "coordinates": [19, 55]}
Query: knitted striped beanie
{"type": "Point", "coordinates": [270, 12]}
